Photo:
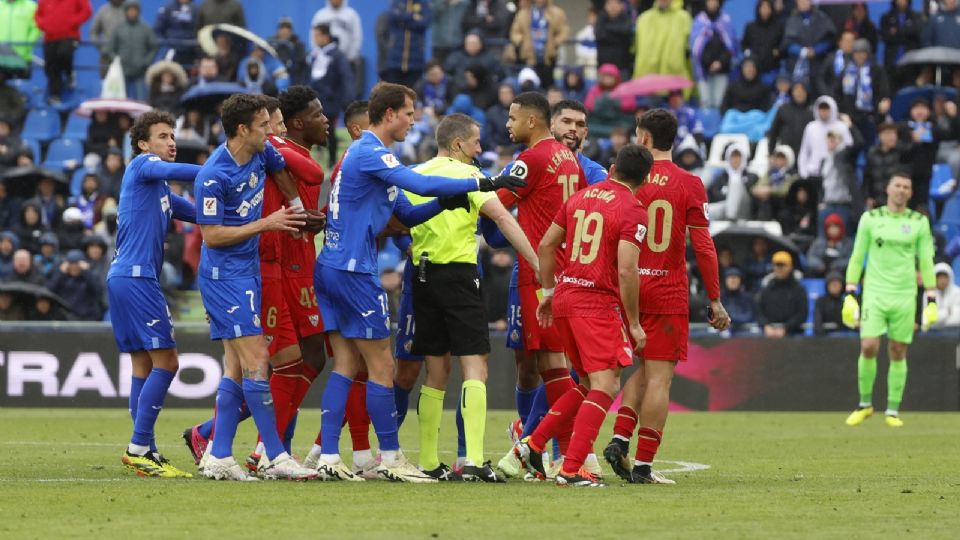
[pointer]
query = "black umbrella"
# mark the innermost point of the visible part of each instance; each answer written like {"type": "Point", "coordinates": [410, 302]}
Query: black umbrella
{"type": "Point", "coordinates": [11, 62]}
{"type": "Point", "coordinates": [206, 98]}
{"type": "Point", "coordinates": [22, 181]}
{"type": "Point", "coordinates": [189, 149]}
{"type": "Point", "coordinates": [31, 292]}
{"type": "Point", "coordinates": [739, 238]}
{"type": "Point", "coordinates": [935, 56]}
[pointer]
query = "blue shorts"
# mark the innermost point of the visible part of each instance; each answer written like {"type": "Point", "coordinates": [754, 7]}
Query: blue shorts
{"type": "Point", "coordinates": [514, 322]}
{"type": "Point", "coordinates": [407, 324]}
{"type": "Point", "coordinates": [352, 303]}
{"type": "Point", "coordinates": [233, 306]}
{"type": "Point", "coordinates": [139, 314]}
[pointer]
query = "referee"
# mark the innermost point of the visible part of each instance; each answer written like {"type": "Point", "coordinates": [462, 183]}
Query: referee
{"type": "Point", "coordinates": [451, 319]}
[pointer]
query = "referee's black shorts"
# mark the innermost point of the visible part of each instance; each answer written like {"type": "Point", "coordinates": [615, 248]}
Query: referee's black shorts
{"type": "Point", "coordinates": [451, 316]}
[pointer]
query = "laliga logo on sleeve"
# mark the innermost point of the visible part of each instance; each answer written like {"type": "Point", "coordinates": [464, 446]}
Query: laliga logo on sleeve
{"type": "Point", "coordinates": [209, 205]}
{"type": "Point", "coordinates": [519, 169]}
{"type": "Point", "coordinates": [641, 232]}
{"type": "Point", "coordinates": [706, 211]}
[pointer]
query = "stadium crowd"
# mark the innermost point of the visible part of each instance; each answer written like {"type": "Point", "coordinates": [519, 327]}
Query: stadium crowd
{"type": "Point", "coordinates": [792, 123]}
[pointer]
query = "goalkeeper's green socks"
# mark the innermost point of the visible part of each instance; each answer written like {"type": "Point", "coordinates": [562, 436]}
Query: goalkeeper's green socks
{"type": "Point", "coordinates": [473, 401]}
{"type": "Point", "coordinates": [430, 412]}
{"type": "Point", "coordinates": [896, 381]}
{"type": "Point", "coordinates": [866, 375]}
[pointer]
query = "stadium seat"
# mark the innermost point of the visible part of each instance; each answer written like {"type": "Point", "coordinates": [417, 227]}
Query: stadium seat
{"type": "Point", "coordinates": [949, 223]}
{"type": "Point", "coordinates": [816, 287]}
{"type": "Point", "coordinates": [34, 145]}
{"type": "Point", "coordinates": [761, 158]}
{"type": "Point", "coordinates": [710, 118]}
{"type": "Point", "coordinates": [64, 154]}
{"type": "Point", "coordinates": [76, 127]}
{"type": "Point", "coordinates": [76, 181]}
{"type": "Point", "coordinates": [42, 125]}
{"type": "Point", "coordinates": [720, 143]}
{"type": "Point", "coordinates": [942, 183]}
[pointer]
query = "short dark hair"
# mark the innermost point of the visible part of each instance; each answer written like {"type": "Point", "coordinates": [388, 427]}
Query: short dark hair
{"type": "Point", "coordinates": [633, 164]}
{"type": "Point", "coordinates": [323, 28]}
{"type": "Point", "coordinates": [453, 126]}
{"type": "Point", "coordinates": [140, 131]}
{"type": "Point", "coordinates": [535, 101]}
{"type": "Point", "coordinates": [887, 126]}
{"type": "Point", "coordinates": [355, 109]}
{"type": "Point", "coordinates": [568, 104]}
{"type": "Point", "coordinates": [295, 100]}
{"type": "Point", "coordinates": [387, 96]}
{"type": "Point", "coordinates": [270, 103]}
{"type": "Point", "coordinates": [239, 109]}
{"type": "Point", "coordinates": [661, 124]}
{"type": "Point", "coordinates": [432, 63]}
{"type": "Point", "coordinates": [900, 173]}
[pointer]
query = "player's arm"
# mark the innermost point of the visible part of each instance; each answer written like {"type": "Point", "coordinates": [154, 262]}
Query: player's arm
{"type": "Point", "coordinates": [629, 283]}
{"type": "Point", "coordinates": [303, 168]}
{"type": "Point", "coordinates": [411, 215]}
{"type": "Point", "coordinates": [698, 224]}
{"type": "Point", "coordinates": [276, 166]}
{"type": "Point", "coordinates": [287, 219]}
{"type": "Point", "coordinates": [156, 170]}
{"type": "Point", "coordinates": [925, 254]}
{"type": "Point", "coordinates": [505, 222]}
{"type": "Point", "coordinates": [183, 209]}
{"type": "Point", "coordinates": [387, 168]}
{"type": "Point", "coordinates": [860, 245]}
{"type": "Point", "coordinates": [547, 252]}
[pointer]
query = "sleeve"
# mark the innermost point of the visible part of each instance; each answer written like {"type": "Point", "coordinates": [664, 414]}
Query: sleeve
{"type": "Point", "coordinates": [799, 315]}
{"type": "Point", "coordinates": [860, 245]}
{"type": "Point", "coordinates": [925, 254]}
{"type": "Point", "coordinates": [385, 166]}
{"type": "Point", "coordinates": [272, 158]}
{"type": "Point", "coordinates": [762, 318]}
{"type": "Point", "coordinates": [210, 195]}
{"type": "Point", "coordinates": [303, 168]}
{"type": "Point", "coordinates": [156, 169]}
{"type": "Point", "coordinates": [183, 209]}
{"type": "Point", "coordinates": [706, 254]}
{"type": "Point", "coordinates": [412, 215]}
{"type": "Point", "coordinates": [520, 169]}
{"type": "Point", "coordinates": [492, 234]}
{"type": "Point", "coordinates": [697, 213]}
{"type": "Point", "coordinates": [633, 229]}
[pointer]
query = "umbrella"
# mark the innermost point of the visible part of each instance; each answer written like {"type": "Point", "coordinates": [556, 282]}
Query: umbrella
{"type": "Point", "coordinates": [900, 105]}
{"type": "Point", "coordinates": [740, 238]}
{"type": "Point", "coordinates": [22, 181]}
{"type": "Point", "coordinates": [206, 98]}
{"type": "Point", "coordinates": [10, 61]}
{"type": "Point", "coordinates": [937, 56]}
{"type": "Point", "coordinates": [158, 68]}
{"type": "Point", "coordinates": [32, 291]}
{"type": "Point", "coordinates": [189, 149]}
{"type": "Point", "coordinates": [112, 105]}
{"type": "Point", "coordinates": [209, 45]}
{"type": "Point", "coordinates": [651, 84]}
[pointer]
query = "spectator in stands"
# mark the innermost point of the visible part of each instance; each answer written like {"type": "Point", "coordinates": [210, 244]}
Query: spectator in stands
{"type": "Point", "coordinates": [771, 191]}
{"type": "Point", "coordinates": [11, 310]}
{"type": "Point", "coordinates": [434, 88]}
{"type": "Point", "coordinates": [713, 48]}
{"type": "Point", "coordinates": [585, 48]}
{"type": "Point", "coordinates": [95, 249]}
{"type": "Point", "coordinates": [748, 93]}
{"type": "Point", "coordinates": [331, 77]}
{"type": "Point", "coordinates": [761, 40]}
{"type": "Point", "coordinates": [111, 172]}
{"type": "Point", "coordinates": [60, 21]}
{"type": "Point", "coordinates": [446, 30]}
{"type": "Point", "coordinates": [492, 19]}
{"type": "Point", "coordinates": [948, 125]}
{"type": "Point", "coordinates": [729, 192]}
{"type": "Point", "coordinates": [573, 86]}
{"type": "Point", "coordinates": [791, 119]}
{"type": "Point", "coordinates": [495, 130]}
{"type": "Point", "coordinates": [901, 29]}
{"type": "Point", "coordinates": [798, 217]}
{"type": "Point", "coordinates": [207, 72]}
{"type": "Point", "coordinates": [863, 91]}
{"type": "Point", "coordinates": [783, 300]}
{"type": "Point", "coordinates": [51, 203]}
{"type": "Point", "coordinates": [49, 257]}
{"type": "Point", "coordinates": [221, 11]}
{"type": "Point", "coordinates": [725, 260]}
{"type": "Point", "coordinates": [255, 76]}
{"type": "Point", "coordinates": [90, 201]}
{"type": "Point", "coordinates": [71, 230]}
{"type": "Point", "coordinates": [9, 209]}
{"type": "Point", "coordinates": [758, 263]}
{"type": "Point", "coordinates": [107, 227]}
{"type": "Point", "coordinates": [344, 24]}
{"type": "Point", "coordinates": [76, 285]}
{"type": "Point", "coordinates": [619, 137]}
{"type": "Point", "coordinates": [23, 270]}
{"type": "Point", "coordinates": [838, 172]}
{"type": "Point", "coordinates": [948, 297]}
{"type": "Point", "coordinates": [408, 21]}
{"type": "Point", "coordinates": [831, 250]}
{"type": "Point", "coordinates": [826, 310]}
{"type": "Point", "coordinates": [102, 133]}
{"type": "Point", "coordinates": [925, 133]}
{"type": "Point", "coordinates": [228, 56]}
{"type": "Point", "coordinates": [662, 35]}
{"type": "Point", "coordinates": [943, 29]}
{"type": "Point", "coordinates": [20, 27]}
{"type": "Point", "coordinates": [687, 122]}
{"type": "Point", "coordinates": [291, 51]}
{"type": "Point", "coordinates": [688, 155]}
{"type": "Point", "coordinates": [538, 31]}
{"type": "Point", "coordinates": [607, 112]}
{"type": "Point", "coordinates": [860, 24]}
{"type": "Point", "coordinates": [8, 245]}
{"type": "Point", "coordinates": [807, 38]}
{"type": "Point", "coordinates": [471, 54]}
{"type": "Point", "coordinates": [833, 70]}
{"type": "Point", "coordinates": [108, 17]}
{"type": "Point", "coordinates": [31, 226]}
{"type": "Point", "coordinates": [177, 22]}
{"type": "Point", "coordinates": [781, 91]}
{"type": "Point", "coordinates": [739, 303]}
{"type": "Point", "coordinates": [813, 145]}
{"type": "Point", "coordinates": [45, 309]}
{"type": "Point", "coordinates": [482, 90]}
{"type": "Point", "coordinates": [10, 144]}
{"type": "Point", "coordinates": [883, 161]}
{"type": "Point", "coordinates": [166, 86]}
{"type": "Point", "coordinates": [528, 80]}
{"type": "Point", "coordinates": [13, 104]}
{"type": "Point", "coordinates": [614, 34]}
{"type": "Point", "coordinates": [136, 45]}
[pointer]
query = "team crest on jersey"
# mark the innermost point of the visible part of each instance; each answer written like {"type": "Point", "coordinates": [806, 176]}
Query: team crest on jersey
{"type": "Point", "coordinates": [641, 232]}
{"type": "Point", "coordinates": [706, 211]}
{"type": "Point", "coordinates": [256, 320]}
{"type": "Point", "coordinates": [905, 228]}
{"type": "Point", "coordinates": [390, 160]}
{"type": "Point", "coordinates": [254, 180]}
{"type": "Point", "coordinates": [514, 336]}
{"type": "Point", "coordinates": [408, 346]}
{"type": "Point", "coordinates": [519, 169]}
{"type": "Point", "coordinates": [314, 319]}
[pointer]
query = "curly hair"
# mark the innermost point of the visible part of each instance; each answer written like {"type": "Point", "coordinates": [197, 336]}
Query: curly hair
{"type": "Point", "coordinates": [140, 131]}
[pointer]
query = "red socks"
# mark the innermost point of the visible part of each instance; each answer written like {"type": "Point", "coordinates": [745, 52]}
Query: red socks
{"type": "Point", "coordinates": [648, 441]}
{"type": "Point", "coordinates": [356, 413]}
{"type": "Point", "coordinates": [558, 422]}
{"type": "Point", "coordinates": [284, 384]}
{"type": "Point", "coordinates": [585, 429]}
{"type": "Point", "coordinates": [556, 382]}
{"type": "Point", "coordinates": [626, 422]}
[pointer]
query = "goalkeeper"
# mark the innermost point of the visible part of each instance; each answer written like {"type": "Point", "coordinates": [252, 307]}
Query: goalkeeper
{"type": "Point", "coordinates": [893, 239]}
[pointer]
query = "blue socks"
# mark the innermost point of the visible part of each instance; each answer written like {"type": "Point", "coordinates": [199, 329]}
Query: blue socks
{"type": "Point", "coordinates": [206, 428]}
{"type": "Point", "coordinates": [524, 399]}
{"type": "Point", "coordinates": [401, 398]}
{"type": "Point", "coordinates": [152, 394]}
{"type": "Point", "coordinates": [229, 403]}
{"type": "Point", "coordinates": [136, 388]}
{"type": "Point", "coordinates": [382, 408]}
{"type": "Point", "coordinates": [332, 407]}
{"type": "Point", "coordinates": [288, 435]}
{"type": "Point", "coordinates": [461, 438]}
{"type": "Point", "coordinates": [538, 409]}
{"type": "Point", "coordinates": [260, 402]}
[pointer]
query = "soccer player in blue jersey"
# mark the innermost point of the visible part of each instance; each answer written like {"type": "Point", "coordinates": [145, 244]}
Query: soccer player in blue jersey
{"type": "Point", "coordinates": [229, 192]}
{"type": "Point", "coordinates": [139, 313]}
{"type": "Point", "coordinates": [366, 193]}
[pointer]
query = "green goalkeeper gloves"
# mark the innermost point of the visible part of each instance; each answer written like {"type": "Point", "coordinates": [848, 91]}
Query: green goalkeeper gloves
{"type": "Point", "coordinates": [850, 313]}
{"type": "Point", "coordinates": [929, 314]}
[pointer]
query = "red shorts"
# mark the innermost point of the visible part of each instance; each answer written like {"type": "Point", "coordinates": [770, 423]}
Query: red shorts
{"type": "Point", "coordinates": [536, 338]}
{"type": "Point", "coordinates": [277, 327]}
{"type": "Point", "coordinates": [667, 336]}
{"type": "Point", "coordinates": [589, 343]}
{"type": "Point", "coordinates": [302, 305]}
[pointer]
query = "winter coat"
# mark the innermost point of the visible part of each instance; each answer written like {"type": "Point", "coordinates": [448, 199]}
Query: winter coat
{"type": "Point", "coordinates": [814, 29]}
{"type": "Point", "coordinates": [176, 21]}
{"type": "Point", "coordinates": [813, 145]}
{"type": "Point", "coordinates": [292, 54]}
{"type": "Point", "coordinates": [19, 24]}
{"type": "Point", "coordinates": [108, 17]}
{"type": "Point", "coordinates": [61, 19]}
{"type": "Point", "coordinates": [789, 124]}
{"type": "Point", "coordinates": [494, 128]}
{"type": "Point", "coordinates": [841, 184]}
{"type": "Point", "coordinates": [663, 37]}
{"type": "Point", "coordinates": [721, 189]}
{"type": "Point", "coordinates": [880, 90]}
{"type": "Point", "coordinates": [744, 95]}
{"type": "Point", "coordinates": [30, 234]}
{"type": "Point", "coordinates": [408, 21]}
{"type": "Point", "coordinates": [331, 77]}
{"type": "Point", "coordinates": [344, 25]}
{"type": "Point", "coordinates": [458, 61]}
{"type": "Point", "coordinates": [900, 38]}
{"type": "Point", "coordinates": [614, 37]}
{"type": "Point", "coordinates": [521, 36]}
{"type": "Point", "coordinates": [81, 293]}
{"type": "Point", "coordinates": [783, 301]}
{"type": "Point", "coordinates": [826, 315]}
{"type": "Point", "coordinates": [712, 40]}
{"type": "Point", "coordinates": [136, 45]}
{"type": "Point", "coordinates": [943, 30]}
{"type": "Point", "coordinates": [494, 29]}
{"type": "Point", "coordinates": [740, 305]}
{"type": "Point", "coordinates": [948, 300]}
{"type": "Point", "coordinates": [880, 166]}
{"type": "Point", "coordinates": [761, 41]}
{"type": "Point", "coordinates": [825, 255]}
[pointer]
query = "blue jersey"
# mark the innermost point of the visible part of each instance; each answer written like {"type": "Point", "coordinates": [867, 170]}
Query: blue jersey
{"type": "Point", "coordinates": [232, 195]}
{"type": "Point", "coordinates": [145, 208]}
{"type": "Point", "coordinates": [366, 192]}
{"type": "Point", "coordinates": [594, 171]}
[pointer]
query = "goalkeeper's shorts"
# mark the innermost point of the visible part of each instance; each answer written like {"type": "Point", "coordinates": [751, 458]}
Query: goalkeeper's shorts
{"type": "Point", "coordinates": [891, 314]}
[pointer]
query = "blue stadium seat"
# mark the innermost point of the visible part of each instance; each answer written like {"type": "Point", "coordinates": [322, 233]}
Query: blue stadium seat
{"type": "Point", "coordinates": [710, 118]}
{"type": "Point", "coordinates": [64, 154]}
{"type": "Point", "coordinates": [942, 183]}
{"type": "Point", "coordinates": [816, 287]}
{"type": "Point", "coordinates": [76, 181]}
{"type": "Point", "coordinates": [949, 222]}
{"type": "Point", "coordinates": [42, 125]}
{"type": "Point", "coordinates": [76, 127]}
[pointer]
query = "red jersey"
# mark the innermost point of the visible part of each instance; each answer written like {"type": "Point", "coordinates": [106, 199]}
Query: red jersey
{"type": "Point", "coordinates": [298, 255]}
{"type": "Point", "coordinates": [595, 220]}
{"type": "Point", "coordinates": [553, 174]}
{"type": "Point", "coordinates": [674, 199]}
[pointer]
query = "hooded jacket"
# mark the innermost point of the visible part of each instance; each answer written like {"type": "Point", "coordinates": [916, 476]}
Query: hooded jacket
{"type": "Point", "coordinates": [712, 39]}
{"type": "Point", "coordinates": [881, 165]}
{"type": "Point", "coordinates": [662, 35]}
{"type": "Point", "coordinates": [730, 191]}
{"type": "Point", "coordinates": [135, 43]}
{"type": "Point", "coordinates": [176, 21]}
{"type": "Point", "coordinates": [827, 310]}
{"type": "Point", "coordinates": [744, 95]}
{"type": "Point", "coordinates": [762, 40]}
{"type": "Point", "coordinates": [331, 77]}
{"type": "Point", "coordinates": [521, 37]}
{"type": "Point", "coordinates": [739, 303]}
{"type": "Point", "coordinates": [606, 112]}
{"type": "Point", "coordinates": [614, 37]}
{"type": "Point", "coordinates": [19, 25]}
{"type": "Point", "coordinates": [827, 254]}
{"type": "Point", "coordinates": [780, 180]}
{"type": "Point", "coordinates": [838, 172]}
{"type": "Point", "coordinates": [813, 29]}
{"type": "Point", "coordinates": [813, 146]}
{"type": "Point", "coordinates": [783, 301]}
{"type": "Point", "coordinates": [900, 38]}
{"type": "Point", "coordinates": [6, 261]}
{"type": "Point", "coordinates": [61, 19]}
{"type": "Point", "coordinates": [344, 25]}
{"type": "Point", "coordinates": [948, 300]}
{"type": "Point", "coordinates": [943, 30]}
{"type": "Point", "coordinates": [30, 234]}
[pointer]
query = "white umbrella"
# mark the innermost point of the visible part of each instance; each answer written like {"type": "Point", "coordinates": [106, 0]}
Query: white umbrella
{"type": "Point", "coordinates": [209, 45]}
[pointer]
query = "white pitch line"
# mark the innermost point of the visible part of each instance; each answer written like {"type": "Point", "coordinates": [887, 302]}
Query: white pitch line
{"type": "Point", "coordinates": [685, 466]}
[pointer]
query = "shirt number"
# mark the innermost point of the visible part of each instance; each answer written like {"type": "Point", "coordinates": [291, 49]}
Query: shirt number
{"type": "Point", "coordinates": [586, 236]}
{"type": "Point", "coordinates": [250, 294]}
{"type": "Point", "coordinates": [569, 183]}
{"type": "Point", "coordinates": [335, 197]}
{"type": "Point", "coordinates": [659, 226]}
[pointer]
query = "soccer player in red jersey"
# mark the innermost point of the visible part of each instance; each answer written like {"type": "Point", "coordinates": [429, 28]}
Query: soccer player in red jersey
{"type": "Point", "coordinates": [603, 227]}
{"type": "Point", "coordinates": [553, 174]}
{"type": "Point", "coordinates": [676, 203]}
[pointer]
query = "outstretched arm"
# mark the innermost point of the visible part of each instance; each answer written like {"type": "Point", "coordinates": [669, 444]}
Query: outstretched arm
{"type": "Point", "coordinates": [155, 169]}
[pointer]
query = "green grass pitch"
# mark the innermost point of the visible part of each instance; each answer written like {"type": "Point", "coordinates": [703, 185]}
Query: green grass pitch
{"type": "Point", "coordinates": [770, 475]}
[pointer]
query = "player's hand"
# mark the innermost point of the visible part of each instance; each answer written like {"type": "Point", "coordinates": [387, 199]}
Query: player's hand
{"type": "Point", "coordinates": [850, 313]}
{"type": "Point", "coordinates": [717, 316]}
{"type": "Point", "coordinates": [452, 202]}
{"type": "Point", "coordinates": [284, 219]}
{"type": "Point", "coordinates": [316, 221]}
{"type": "Point", "coordinates": [639, 337]}
{"type": "Point", "coordinates": [930, 314]}
{"type": "Point", "coordinates": [493, 183]}
{"type": "Point", "coordinates": [545, 312]}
